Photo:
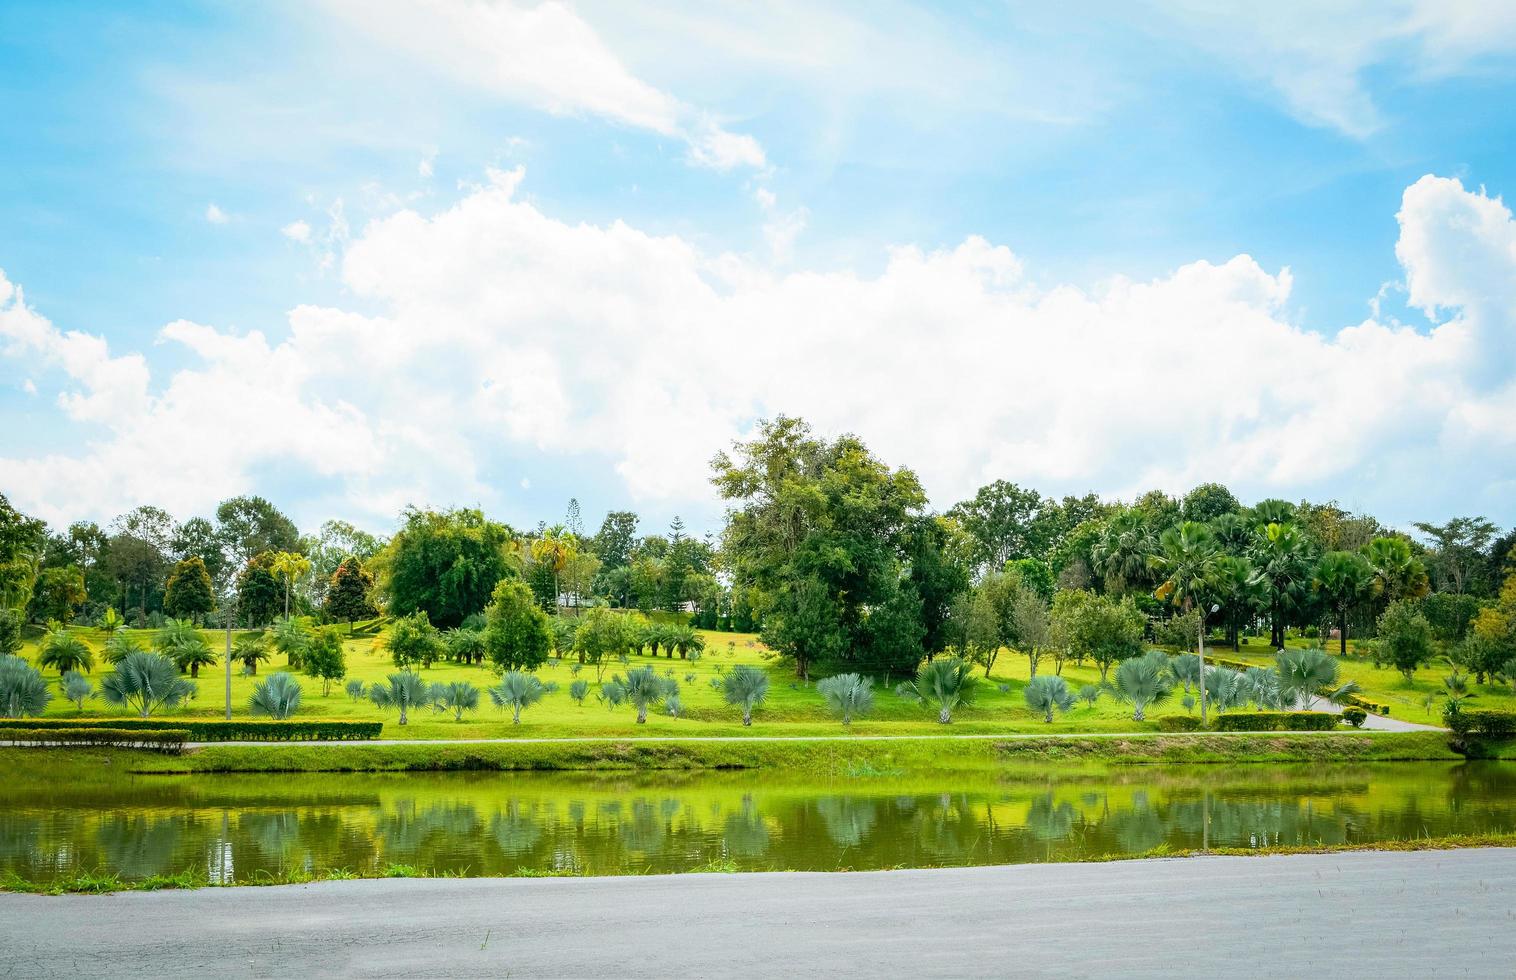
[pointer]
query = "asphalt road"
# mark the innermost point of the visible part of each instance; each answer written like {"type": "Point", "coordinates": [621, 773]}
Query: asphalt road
{"type": "Point", "coordinates": [1433, 913]}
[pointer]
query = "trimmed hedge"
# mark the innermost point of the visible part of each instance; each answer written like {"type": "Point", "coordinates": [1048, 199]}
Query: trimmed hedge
{"type": "Point", "coordinates": [1178, 723]}
{"type": "Point", "coordinates": [1355, 716]}
{"type": "Point", "coordinates": [1275, 721]}
{"type": "Point", "coordinates": [158, 740]}
{"type": "Point", "coordinates": [210, 730]}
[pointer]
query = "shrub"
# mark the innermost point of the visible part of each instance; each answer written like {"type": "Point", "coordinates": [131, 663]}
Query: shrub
{"type": "Point", "coordinates": [277, 698]}
{"type": "Point", "coordinates": [1276, 721]}
{"type": "Point", "coordinates": [1045, 693]}
{"type": "Point", "coordinates": [1089, 694]}
{"type": "Point", "coordinates": [848, 695]}
{"type": "Point", "coordinates": [1470, 728]}
{"type": "Point", "coordinates": [1355, 716]}
{"type": "Point", "coordinates": [144, 682]}
{"type": "Point", "coordinates": [1178, 723]}
{"type": "Point", "coordinates": [357, 690]}
{"type": "Point", "coordinates": [578, 691]}
{"type": "Point", "coordinates": [1143, 681]}
{"type": "Point", "coordinates": [401, 691]}
{"type": "Point", "coordinates": [516, 691]}
{"type": "Point", "coordinates": [458, 697]}
{"type": "Point", "coordinates": [644, 688]}
{"type": "Point", "coordinates": [217, 730]}
{"type": "Point", "coordinates": [745, 687]}
{"type": "Point", "coordinates": [946, 684]}
{"type": "Point", "coordinates": [77, 688]}
{"type": "Point", "coordinates": [158, 740]}
{"type": "Point", "coordinates": [22, 690]}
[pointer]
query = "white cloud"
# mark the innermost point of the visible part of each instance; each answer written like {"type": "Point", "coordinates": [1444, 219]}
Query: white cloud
{"type": "Point", "coordinates": [297, 231]}
{"type": "Point", "coordinates": [215, 215]}
{"type": "Point", "coordinates": [545, 56]}
{"type": "Point", "coordinates": [498, 323]}
{"type": "Point", "coordinates": [424, 168]}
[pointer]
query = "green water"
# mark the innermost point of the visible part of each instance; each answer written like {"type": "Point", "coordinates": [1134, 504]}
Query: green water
{"type": "Point", "coordinates": [242, 827]}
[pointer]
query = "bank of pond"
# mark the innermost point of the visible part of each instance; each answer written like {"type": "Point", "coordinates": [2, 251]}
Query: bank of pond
{"type": "Point", "coordinates": [124, 828]}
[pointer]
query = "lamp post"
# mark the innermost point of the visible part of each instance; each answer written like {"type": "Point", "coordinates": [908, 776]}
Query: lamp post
{"type": "Point", "coordinates": [230, 610]}
{"type": "Point", "coordinates": [1200, 651]}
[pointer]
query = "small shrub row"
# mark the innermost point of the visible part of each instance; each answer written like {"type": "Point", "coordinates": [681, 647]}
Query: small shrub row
{"type": "Point", "coordinates": [210, 730]}
{"type": "Point", "coordinates": [1372, 707]}
{"type": "Point", "coordinates": [1275, 721]}
{"type": "Point", "coordinates": [158, 740]}
{"type": "Point", "coordinates": [1482, 722]}
{"type": "Point", "coordinates": [1179, 723]}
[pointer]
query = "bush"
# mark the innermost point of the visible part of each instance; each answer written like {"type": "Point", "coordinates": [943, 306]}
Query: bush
{"type": "Point", "coordinates": [1355, 716]}
{"type": "Point", "coordinates": [156, 739]}
{"type": "Point", "coordinates": [1470, 728]}
{"type": "Point", "coordinates": [1372, 707]}
{"type": "Point", "coordinates": [1275, 721]}
{"type": "Point", "coordinates": [1178, 723]}
{"type": "Point", "coordinates": [208, 730]}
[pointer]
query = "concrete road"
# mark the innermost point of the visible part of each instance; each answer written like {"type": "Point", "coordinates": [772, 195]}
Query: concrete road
{"type": "Point", "coordinates": [1434, 913]}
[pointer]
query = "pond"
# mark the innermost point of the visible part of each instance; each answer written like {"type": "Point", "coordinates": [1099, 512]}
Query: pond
{"type": "Point", "coordinates": [243, 827]}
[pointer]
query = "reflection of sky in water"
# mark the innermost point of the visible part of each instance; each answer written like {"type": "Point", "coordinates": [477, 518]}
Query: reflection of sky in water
{"type": "Point", "coordinates": [244, 827]}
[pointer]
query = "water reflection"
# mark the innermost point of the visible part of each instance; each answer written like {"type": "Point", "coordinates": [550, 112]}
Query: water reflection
{"type": "Point", "coordinates": [243, 827]}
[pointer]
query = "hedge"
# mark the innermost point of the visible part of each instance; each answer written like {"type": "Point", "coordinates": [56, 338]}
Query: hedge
{"type": "Point", "coordinates": [1481, 722]}
{"type": "Point", "coordinates": [1275, 721]}
{"type": "Point", "coordinates": [1178, 723]}
{"type": "Point", "coordinates": [211, 730]}
{"type": "Point", "coordinates": [159, 739]}
{"type": "Point", "coordinates": [1355, 716]}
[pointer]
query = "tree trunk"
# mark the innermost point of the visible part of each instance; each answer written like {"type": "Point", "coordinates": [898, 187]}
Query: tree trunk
{"type": "Point", "coordinates": [195, 671]}
{"type": "Point", "coordinates": [642, 714]}
{"type": "Point", "coordinates": [945, 716]}
{"type": "Point", "coordinates": [747, 717]}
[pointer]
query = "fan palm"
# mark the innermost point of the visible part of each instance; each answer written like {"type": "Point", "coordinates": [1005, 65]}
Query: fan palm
{"type": "Point", "coordinates": [290, 639]}
{"type": "Point", "coordinates": [275, 698]}
{"type": "Point", "coordinates": [144, 682]}
{"type": "Point", "coordinates": [746, 687]}
{"type": "Point", "coordinates": [1226, 689]}
{"type": "Point", "coordinates": [357, 690]}
{"type": "Point", "coordinates": [23, 692]}
{"type": "Point", "coordinates": [1089, 694]}
{"type": "Point", "coordinates": [612, 693]}
{"type": "Point", "coordinates": [1187, 559]}
{"type": "Point", "coordinates": [401, 692]}
{"type": "Point", "coordinates": [1121, 552]}
{"type": "Point", "coordinates": [1344, 578]}
{"type": "Point", "coordinates": [1046, 693]}
{"type": "Point", "coordinates": [848, 695]}
{"type": "Point", "coordinates": [578, 691]}
{"type": "Point", "coordinates": [1399, 572]}
{"type": "Point", "coordinates": [1185, 669]}
{"type": "Point", "coordinates": [1305, 673]}
{"type": "Point", "coordinates": [458, 697]}
{"type": "Point", "coordinates": [119, 647]}
{"type": "Point", "coordinates": [1283, 558]}
{"type": "Point", "coordinates": [517, 690]}
{"type": "Point", "coordinates": [1263, 688]}
{"type": "Point", "coordinates": [181, 642]}
{"type": "Point", "coordinates": [77, 688]}
{"type": "Point", "coordinates": [946, 684]}
{"type": "Point", "coordinates": [63, 651]}
{"type": "Point", "coordinates": [1240, 590]}
{"type": "Point", "coordinates": [644, 688]}
{"type": "Point", "coordinates": [1144, 681]}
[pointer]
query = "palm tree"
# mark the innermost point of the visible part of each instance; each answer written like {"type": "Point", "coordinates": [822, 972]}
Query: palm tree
{"type": "Point", "coordinates": [644, 688]}
{"type": "Point", "coordinates": [1089, 694]}
{"type": "Point", "coordinates": [1187, 559]}
{"type": "Point", "coordinates": [612, 692]}
{"type": "Point", "coordinates": [401, 691]}
{"type": "Point", "coordinates": [1121, 553]}
{"type": "Point", "coordinates": [290, 565]}
{"type": "Point", "coordinates": [77, 688]}
{"type": "Point", "coordinates": [1263, 688]}
{"type": "Point", "coordinates": [746, 687]}
{"type": "Point", "coordinates": [946, 684]}
{"type": "Point", "coordinates": [1241, 591]}
{"type": "Point", "coordinates": [110, 622]}
{"type": "Point", "coordinates": [23, 692]}
{"type": "Point", "coordinates": [458, 697]}
{"type": "Point", "coordinates": [1143, 681]}
{"type": "Point", "coordinates": [1305, 673]}
{"type": "Point", "coordinates": [687, 640]}
{"type": "Point", "coordinates": [1226, 688]}
{"type": "Point", "coordinates": [1399, 573]}
{"type": "Point", "coordinates": [1345, 578]}
{"type": "Point", "coordinates": [357, 690]}
{"type": "Point", "coordinates": [578, 691]}
{"type": "Point", "coordinates": [145, 682]}
{"type": "Point", "coordinates": [251, 649]}
{"type": "Point", "coordinates": [555, 547]}
{"type": "Point", "coordinates": [276, 698]}
{"type": "Point", "coordinates": [1185, 668]}
{"type": "Point", "coordinates": [290, 639]}
{"type": "Point", "coordinates": [1283, 558]}
{"type": "Point", "coordinates": [848, 695]}
{"type": "Point", "coordinates": [1046, 693]}
{"type": "Point", "coordinates": [517, 690]}
{"type": "Point", "coordinates": [119, 647]}
{"type": "Point", "coordinates": [63, 651]}
{"type": "Point", "coordinates": [181, 641]}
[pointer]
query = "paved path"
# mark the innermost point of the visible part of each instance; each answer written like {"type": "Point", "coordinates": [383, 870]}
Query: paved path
{"type": "Point", "coordinates": [1433, 913]}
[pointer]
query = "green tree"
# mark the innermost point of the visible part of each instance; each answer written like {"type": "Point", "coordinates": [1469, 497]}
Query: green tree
{"type": "Point", "coordinates": [251, 526]}
{"type": "Point", "coordinates": [1001, 521]}
{"type": "Point", "coordinates": [21, 542]}
{"type": "Point", "coordinates": [847, 695]}
{"type": "Point", "coordinates": [746, 687]}
{"type": "Point", "coordinates": [1044, 694]}
{"type": "Point", "coordinates": [644, 689]}
{"type": "Point", "coordinates": [947, 684]}
{"type": "Point", "coordinates": [349, 594]}
{"type": "Point", "coordinates": [276, 698]}
{"type": "Point", "coordinates": [458, 697]}
{"type": "Point", "coordinates": [400, 692]}
{"type": "Point", "coordinates": [57, 594]}
{"type": "Point", "coordinates": [1405, 637]}
{"type": "Point", "coordinates": [23, 692]}
{"type": "Point", "coordinates": [251, 649]}
{"type": "Point", "coordinates": [145, 682]}
{"type": "Point", "coordinates": [290, 638]}
{"type": "Point", "coordinates": [1121, 553]}
{"type": "Point", "coordinates": [63, 651]}
{"type": "Point", "coordinates": [1144, 681]}
{"type": "Point", "coordinates": [1457, 555]}
{"type": "Point", "coordinates": [1240, 590]}
{"type": "Point", "coordinates": [1207, 502]}
{"type": "Point", "coordinates": [10, 632]}
{"type": "Point", "coordinates": [1032, 627]}
{"type": "Point", "coordinates": [517, 634]}
{"type": "Point", "coordinates": [445, 564]}
{"type": "Point", "coordinates": [1187, 560]}
{"type": "Point", "coordinates": [78, 689]}
{"type": "Point", "coordinates": [601, 635]}
{"type": "Point", "coordinates": [1285, 561]}
{"type": "Point", "coordinates": [288, 566]}
{"type": "Point", "coordinates": [259, 595]}
{"type": "Point", "coordinates": [413, 641]}
{"type": "Point", "coordinates": [517, 690]}
{"type": "Point", "coordinates": [1399, 572]}
{"type": "Point", "coordinates": [188, 593]}
{"type": "Point", "coordinates": [185, 645]}
{"type": "Point", "coordinates": [1303, 674]}
{"type": "Point", "coordinates": [1344, 579]}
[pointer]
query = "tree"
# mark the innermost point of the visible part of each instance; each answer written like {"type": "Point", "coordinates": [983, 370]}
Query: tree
{"type": "Point", "coordinates": [946, 684]}
{"type": "Point", "coordinates": [258, 593]}
{"type": "Point", "coordinates": [615, 540]}
{"type": "Point", "coordinates": [349, 593]}
{"type": "Point", "coordinates": [1240, 590]}
{"type": "Point", "coordinates": [1032, 625]}
{"type": "Point", "coordinates": [23, 692]}
{"type": "Point", "coordinates": [1490, 647]}
{"type": "Point", "coordinates": [936, 578]}
{"type": "Point", "coordinates": [10, 632]}
{"type": "Point", "coordinates": [1207, 502]}
{"type": "Point", "coordinates": [445, 564]}
{"type": "Point", "coordinates": [644, 689]}
{"type": "Point", "coordinates": [458, 697]}
{"type": "Point", "coordinates": [21, 542]}
{"type": "Point", "coordinates": [400, 692]}
{"type": "Point", "coordinates": [276, 698]}
{"type": "Point", "coordinates": [817, 536]}
{"type": "Point", "coordinates": [145, 682]}
{"type": "Point", "coordinates": [1285, 561]}
{"type": "Point", "coordinates": [325, 658]}
{"type": "Point", "coordinates": [251, 649]}
{"type": "Point", "coordinates": [745, 687]}
{"type": "Point", "coordinates": [1305, 673]}
{"type": "Point", "coordinates": [578, 691]}
{"type": "Point", "coordinates": [517, 633]}
{"type": "Point", "coordinates": [62, 651]}
{"type": "Point", "coordinates": [1405, 637]}
{"type": "Point", "coordinates": [1458, 558]}
{"type": "Point", "coordinates": [119, 647]}
{"type": "Point", "coordinates": [848, 695]}
{"type": "Point", "coordinates": [288, 566]}
{"type": "Point", "coordinates": [1106, 629]}
{"type": "Point", "coordinates": [1144, 681]}
{"type": "Point", "coordinates": [1450, 614]}
{"type": "Point", "coordinates": [1001, 520]}
{"type": "Point", "coordinates": [517, 690]}
{"type": "Point", "coordinates": [137, 563]}
{"type": "Point", "coordinates": [413, 641]}
{"type": "Point", "coordinates": [78, 689]}
{"type": "Point", "coordinates": [1045, 693]}
{"type": "Point", "coordinates": [290, 638]}
{"type": "Point", "coordinates": [552, 550]}
{"type": "Point", "coordinates": [57, 593]}
{"type": "Point", "coordinates": [199, 538]}
{"type": "Point", "coordinates": [601, 634]}
{"type": "Point", "coordinates": [188, 593]}
{"type": "Point", "coordinates": [1399, 572]}
{"type": "Point", "coordinates": [250, 526]}
{"type": "Point", "coordinates": [182, 643]}
{"type": "Point", "coordinates": [1344, 579]}
{"type": "Point", "coordinates": [1187, 559]}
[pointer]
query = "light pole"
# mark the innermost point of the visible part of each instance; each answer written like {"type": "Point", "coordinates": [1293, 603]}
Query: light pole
{"type": "Point", "coordinates": [1199, 649]}
{"type": "Point", "coordinates": [231, 614]}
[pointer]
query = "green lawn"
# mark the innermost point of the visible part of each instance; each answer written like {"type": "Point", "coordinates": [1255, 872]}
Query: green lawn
{"type": "Point", "coordinates": [792, 708]}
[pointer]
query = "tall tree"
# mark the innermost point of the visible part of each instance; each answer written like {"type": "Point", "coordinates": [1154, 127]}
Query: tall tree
{"type": "Point", "coordinates": [349, 595]}
{"type": "Point", "coordinates": [517, 633]}
{"type": "Point", "coordinates": [1345, 579]}
{"type": "Point", "coordinates": [615, 540]}
{"type": "Point", "coordinates": [258, 592]}
{"type": "Point", "coordinates": [1457, 558]}
{"type": "Point", "coordinates": [250, 526]}
{"type": "Point", "coordinates": [21, 542]}
{"type": "Point", "coordinates": [1001, 520]}
{"type": "Point", "coordinates": [1121, 553]}
{"type": "Point", "coordinates": [1400, 574]}
{"type": "Point", "coordinates": [188, 593]}
{"type": "Point", "coordinates": [1187, 559]}
{"type": "Point", "coordinates": [1283, 556]}
{"type": "Point", "coordinates": [198, 538]}
{"type": "Point", "coordinates": [58, 594]}
{"type": "Point", "coordinates": [1207, 502]}
{"type": "Point", "coordinates": [445, 563]}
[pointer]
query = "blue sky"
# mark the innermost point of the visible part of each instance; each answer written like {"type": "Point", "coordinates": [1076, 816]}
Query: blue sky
{"type": "Point", "coordinates": [569, 239]}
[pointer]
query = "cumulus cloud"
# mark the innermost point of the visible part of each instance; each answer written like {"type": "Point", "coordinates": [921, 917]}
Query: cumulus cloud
{"type": "Point", "coordinates": [493, 325]}
{"type": "Point", "coordinates": [545, 56]}
{"type": "Point", "coordinates": [297, 231]}
{"type": "Point", "coordinates": [215, 215]}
